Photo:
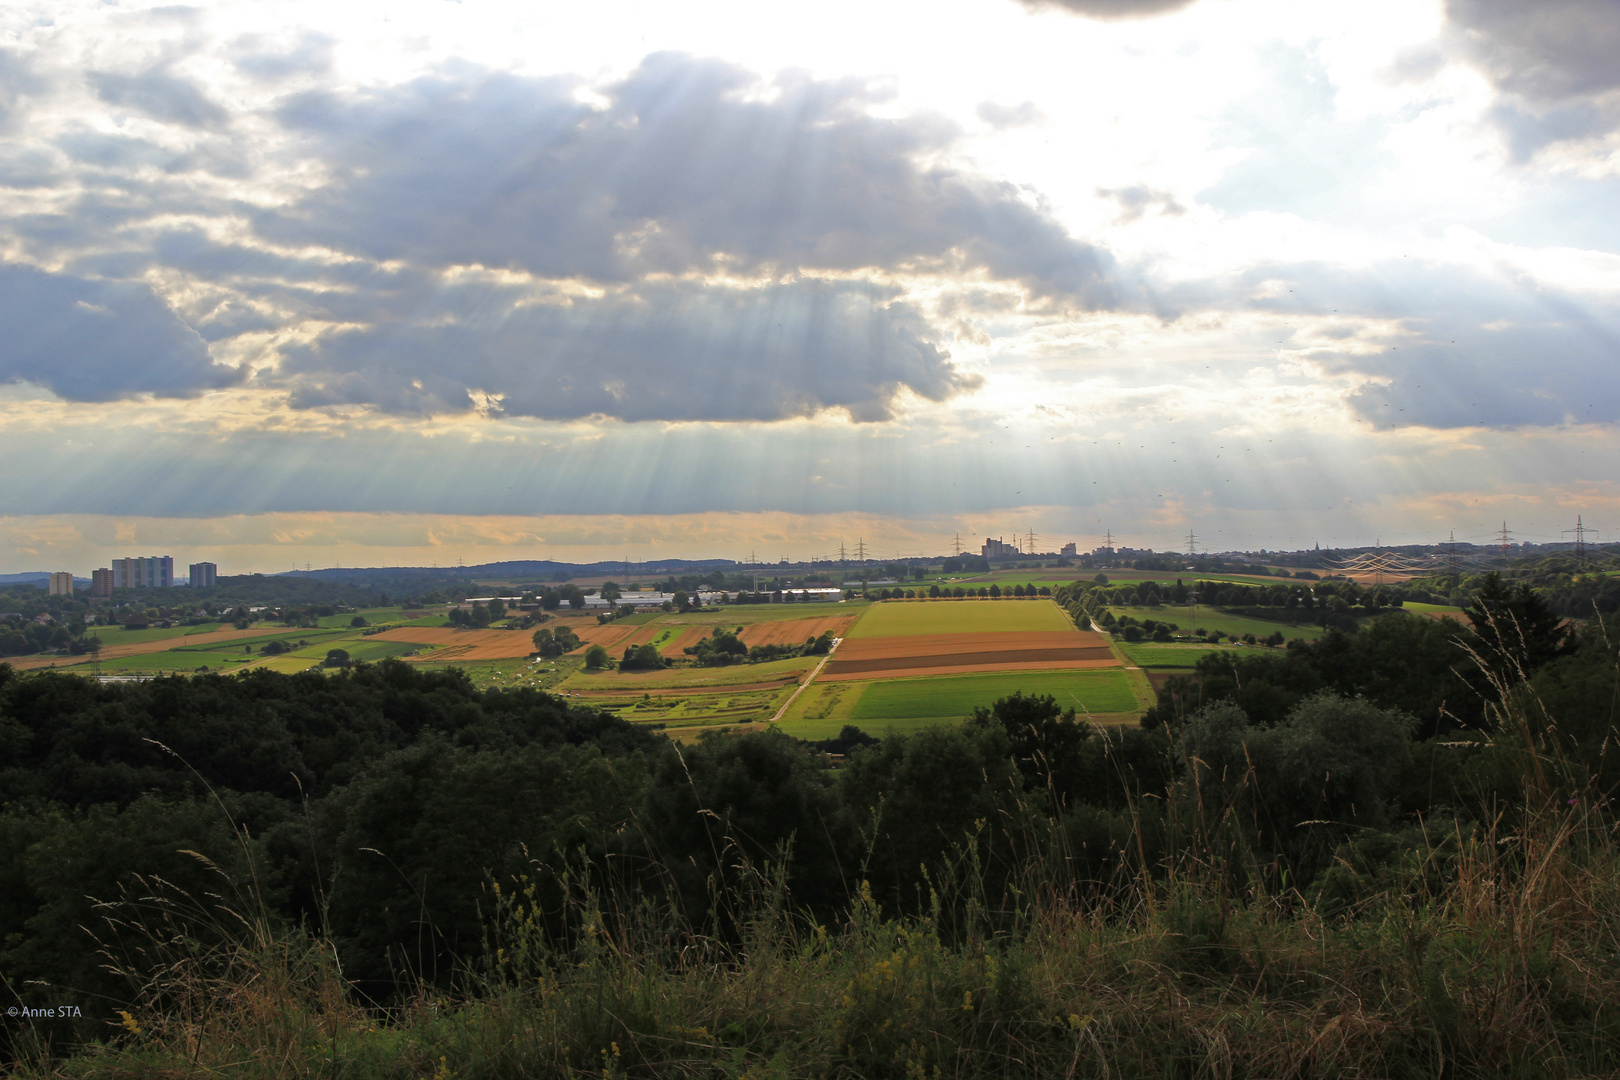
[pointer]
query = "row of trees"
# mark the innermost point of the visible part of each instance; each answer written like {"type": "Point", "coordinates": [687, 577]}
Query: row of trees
{"type": "Point", "coordinates": [724, 647]}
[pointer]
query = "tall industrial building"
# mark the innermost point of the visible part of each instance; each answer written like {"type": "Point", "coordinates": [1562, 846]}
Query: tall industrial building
{"type": "Point", "coordinates": [204, 575]}
{"type": "Point", "coordinates": [998, 549]}
{"type": "Point", "coordinates": [62, 583]}
{"type": "Point", "coordinates": [147, 572]}
{"type": "Point", "coordinates": [101, 583]}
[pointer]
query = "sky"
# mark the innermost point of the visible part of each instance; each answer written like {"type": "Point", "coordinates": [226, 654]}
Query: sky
{"type": "Point", "coordinates": [408, 283]}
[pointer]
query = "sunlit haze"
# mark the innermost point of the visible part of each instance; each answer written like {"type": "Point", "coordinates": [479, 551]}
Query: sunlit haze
{"type": "Point", "coordinates": [370, 284]}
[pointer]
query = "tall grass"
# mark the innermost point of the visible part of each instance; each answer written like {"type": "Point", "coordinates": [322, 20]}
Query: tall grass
{"type": "Point", "coordinates": [1486, 949]}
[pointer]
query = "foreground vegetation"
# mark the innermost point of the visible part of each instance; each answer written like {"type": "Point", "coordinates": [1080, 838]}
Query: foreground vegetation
{"type": "Point", "coordinates": [1387, 854]}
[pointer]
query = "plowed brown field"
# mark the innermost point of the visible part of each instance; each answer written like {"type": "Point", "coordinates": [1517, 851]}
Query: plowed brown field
{"type": "Point", "coordinates": [923, 653]}
{"type": "Point", "coordinates": [794, 631]}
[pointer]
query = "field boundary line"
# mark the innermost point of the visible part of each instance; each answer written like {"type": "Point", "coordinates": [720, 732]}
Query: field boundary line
{"type": "Point", "coordinates": [808, 680]}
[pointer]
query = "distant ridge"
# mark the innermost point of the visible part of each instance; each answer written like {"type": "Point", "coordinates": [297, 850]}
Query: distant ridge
{"type": "Point", "coordinates": [523, 568]}
{"type": "Point", "coordinates": [41, 578]}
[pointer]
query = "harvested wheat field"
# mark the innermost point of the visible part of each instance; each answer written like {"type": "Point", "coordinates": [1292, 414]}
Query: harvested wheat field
{"type": "Point", "coordinates": [676, 646]}
{"type": "Point", "coordinates": [794, 631]}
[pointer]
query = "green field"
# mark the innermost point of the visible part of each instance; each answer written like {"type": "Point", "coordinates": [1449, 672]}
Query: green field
{"type": "Point", "coordinates": [1214, 619]}
{"type": "Point", "coordinates": [117, 635]}
{"type": "Point", "coordinates": [896, 618]}
{"type": "Point", "coordinates": [907, 704]}
{"type": "Point", "coordinates": [1435, 609]}
{"type": "Point", "coordinates": [1174, 655]}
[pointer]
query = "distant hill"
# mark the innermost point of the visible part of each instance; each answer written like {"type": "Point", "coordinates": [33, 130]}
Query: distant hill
{"type": "Point", "coordinates": [518, 570]}
{"type": "Point", "coordinates": [40, 579]}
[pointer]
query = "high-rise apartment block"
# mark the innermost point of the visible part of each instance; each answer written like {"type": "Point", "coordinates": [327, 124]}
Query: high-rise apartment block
{"type": "Point", "coordinates": [62, 583]}
{"type": "Point", "coordinates": [204, 575]}
{"type": "Point", "coordinates": [147, 572]}
{"type": "Point", "coordinates": [1068, 549]}
{"type": "Point", "coordinates": [101, 583]}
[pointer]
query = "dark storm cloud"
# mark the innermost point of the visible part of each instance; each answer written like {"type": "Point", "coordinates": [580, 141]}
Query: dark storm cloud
{"type": "Point", "coordinates": [664, 352]}
{"type": "Point", "coordinates": [159, 95]}
{"type": "Point", "coordinates": [95, 340]}
{"type": "Point", "coordinates": [1112, 9]}
{"type": "Point", "coordinates": [692, 166]}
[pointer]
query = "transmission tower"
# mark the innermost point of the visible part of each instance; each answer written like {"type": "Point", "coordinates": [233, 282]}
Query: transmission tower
{"type": "Point", "coordinates": [1451, 553]}
{"type": "Point", "coordinates": [1505, 539]}
{"type": "Point", "coordinates": [956, 546]}
{"type": "Point", "coordinates": [1192, 543]}
{"type": "Point", "coordinates": [1580, 531]}
{"type": "Point", "coordinates": [841, 558]}
{"type": "Point", "coordinates": [860, 548]}
{"type": "Point", "coordinates": [1030, 540]}
{"type": "Point", "coordinates": [1108, 540]}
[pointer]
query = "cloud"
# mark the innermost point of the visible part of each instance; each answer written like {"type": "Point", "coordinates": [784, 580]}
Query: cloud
{"type": "Point", "coordinates": [1554, 62]}
{"type": "Point", "coordinates": [1547, 51]}
{"type": "Point", "coordinates": [1138, 199]}
{"type": "Point", "coordinates": [659, 352]}
{"type": "Point", "coordinates": [692, 166]}
{"type": "Point", "coordinates": [1446, 346]}
{"type": "Point", "coordinates": [159, 95]}
{"type": "Point", "coordinates": [17, 80]}
{"type": "Point", "coordinates": [1112, 9]}
{"type": "Point", "coordinates": [271, 59]}
{"type": "Point", "coordinates": [1002, 117]}
{"type": "Point", "coordinates": [97, 340]}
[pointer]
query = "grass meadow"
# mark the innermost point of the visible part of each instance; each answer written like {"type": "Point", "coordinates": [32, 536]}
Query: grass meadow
{"type": "Point", "coordinates": [890, 705]}
{"type": "Point", "coordinates": [1213, 619]}
{"type": "Point", "coordinates": [1170, 654]}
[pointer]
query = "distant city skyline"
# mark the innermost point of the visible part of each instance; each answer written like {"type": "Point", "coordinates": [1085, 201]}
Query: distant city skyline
{"type": "Point", "coordinates": [376, 284]}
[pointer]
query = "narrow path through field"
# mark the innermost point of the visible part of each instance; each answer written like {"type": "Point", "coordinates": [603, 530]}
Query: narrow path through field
{"type": "Point", "coordinates": [808, 680]}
